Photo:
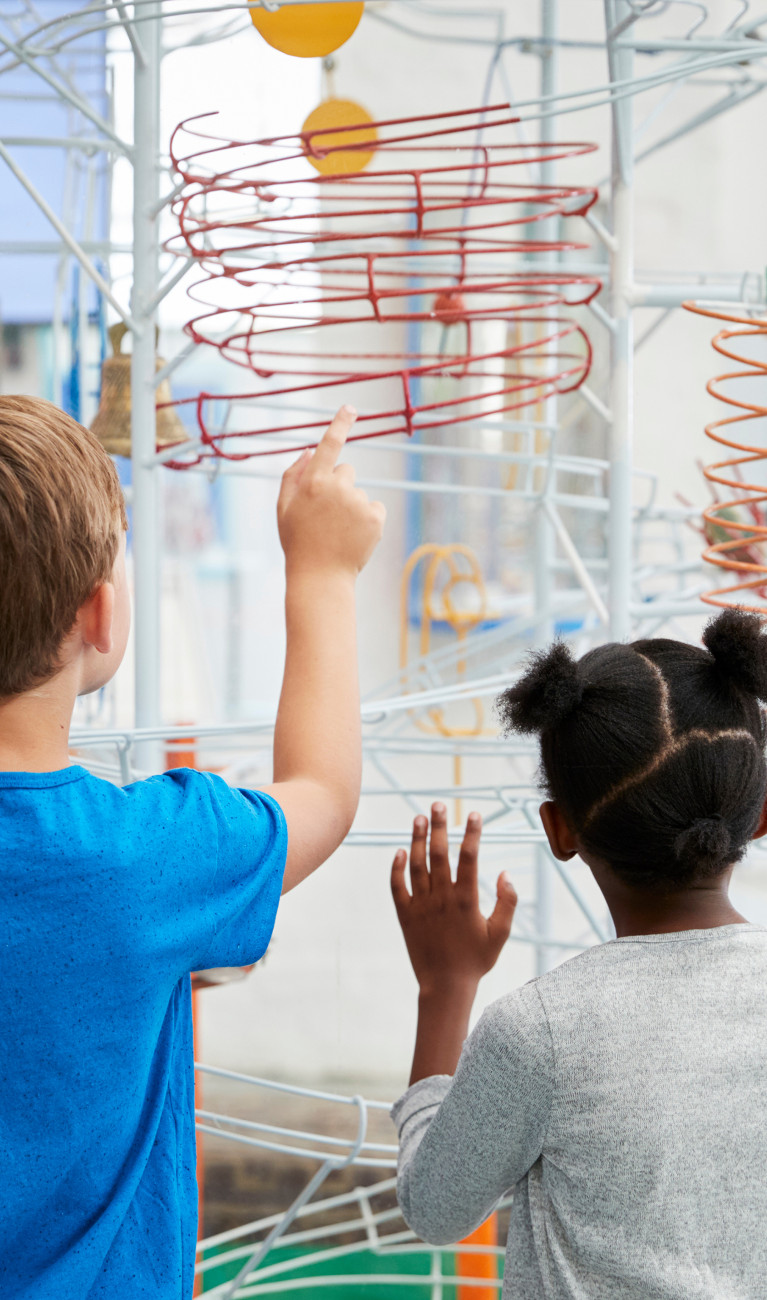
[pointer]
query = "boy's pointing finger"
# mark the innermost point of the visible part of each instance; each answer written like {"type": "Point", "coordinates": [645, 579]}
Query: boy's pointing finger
{"type": "Point", "coordinates": [332, 443]}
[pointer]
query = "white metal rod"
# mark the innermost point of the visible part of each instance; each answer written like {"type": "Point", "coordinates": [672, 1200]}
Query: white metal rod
{"type": "Point", "coordinates": [70, 242]}
{"type": "Point", "coordinates": [604, 317]}
{"type": "Point", "coordinates": [146, 517]}
{"type": "Point", "coordinates": [48, 247]}
{"type": "Point", "coordinates": [579, 568]}
{"type": "Point", "coordinates": [600, 230]}
{"type": "Point", "coordinates": [703, 45]}
{"type": "Point", "coordinates": [622, 343]}
{"type": "Point", "coordinates": [88, 144]}
{"type": "Point", "coordinates": [591, 398]}
{"type": "Point", "coordinates": [316, 1208]}
{"type": "Point", "coordinates": [133, 36]}
{"type": "Point", "coordinates": [737, 96]}
{"type": "Point", "coordinates": [229, 1289]}
{"type": "Point", "coordinates": [673, 295]}
{"type": "Point", "coordinates": [63, 92]}
{"type": "Point", "coordinates": [543, 541]}
{"type": "Point", "coordinates": [172, 365]}
{"type": "Point", "coordinates": [170, 283]}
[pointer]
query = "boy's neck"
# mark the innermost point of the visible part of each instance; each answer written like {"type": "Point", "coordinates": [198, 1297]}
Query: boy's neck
{"type": "Point", "coordinates": [705, 906]}
{"type": "Point", "coordinates": [34, 727]}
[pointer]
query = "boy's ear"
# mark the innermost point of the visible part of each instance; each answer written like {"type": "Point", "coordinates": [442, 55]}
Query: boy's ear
{"type": "Point", "coordinates": [95, 618]}
{"type": "Point", "coordinates": [558, 833]}
{"type": "Point", "coordinates": [761, 828]}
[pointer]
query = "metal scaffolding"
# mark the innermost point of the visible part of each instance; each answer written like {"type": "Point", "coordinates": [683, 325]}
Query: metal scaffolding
{"type": "Point", "coordinates": [606, 597]}
{"type": "Point", "coordinates": [614, 595]}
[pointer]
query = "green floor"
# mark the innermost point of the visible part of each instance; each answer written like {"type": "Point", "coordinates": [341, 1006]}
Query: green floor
{"type": "Point", "coordinates": [353, 1267]}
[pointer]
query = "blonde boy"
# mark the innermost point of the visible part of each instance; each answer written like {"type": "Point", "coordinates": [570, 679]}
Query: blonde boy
{"type": "Point", "coordinates": [112, 896]}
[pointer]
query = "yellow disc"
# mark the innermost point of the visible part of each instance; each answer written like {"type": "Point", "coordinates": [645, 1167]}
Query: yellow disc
{"type": "Point", "coordinates": [307, 31]}
{"type": "Point", "coordinates": [334, 113]}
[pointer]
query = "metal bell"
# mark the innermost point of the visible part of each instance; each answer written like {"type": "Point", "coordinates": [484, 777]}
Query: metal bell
{"type": "Point", "coordinates": [111, 424]}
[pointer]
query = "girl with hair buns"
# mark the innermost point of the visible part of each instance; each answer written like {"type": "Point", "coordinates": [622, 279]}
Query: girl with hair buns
{"type": "Point", "coordinates": [623, 1095]}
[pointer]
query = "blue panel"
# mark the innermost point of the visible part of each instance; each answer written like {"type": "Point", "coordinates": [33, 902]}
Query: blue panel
{"type": "Point", "coordinates": [29, 107]}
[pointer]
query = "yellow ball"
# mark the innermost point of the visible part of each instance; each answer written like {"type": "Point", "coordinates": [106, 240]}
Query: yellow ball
{"type": "Point", "coordinates": [340, 161]}
{"type": "Point", "coordinates": [307, 31]}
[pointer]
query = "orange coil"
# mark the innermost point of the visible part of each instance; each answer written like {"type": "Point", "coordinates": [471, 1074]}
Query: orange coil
{"type": "Point", "coordinates": [736, 527]}
{"type": "Point", "coordinates": [458, 566]}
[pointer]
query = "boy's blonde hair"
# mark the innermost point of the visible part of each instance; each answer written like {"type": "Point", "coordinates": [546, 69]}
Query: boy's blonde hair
{"type": "Point", "coordinates": [61, 511]}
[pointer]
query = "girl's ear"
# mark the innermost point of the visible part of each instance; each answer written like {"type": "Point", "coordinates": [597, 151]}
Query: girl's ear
{"type": "Point", "coordinates": [761, 828]}
{"type": "Point", "coordinates": [558, 833]}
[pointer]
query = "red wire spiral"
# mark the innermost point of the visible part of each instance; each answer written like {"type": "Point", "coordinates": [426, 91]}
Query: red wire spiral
{"type": "Point", "coordinates": [432, 232]}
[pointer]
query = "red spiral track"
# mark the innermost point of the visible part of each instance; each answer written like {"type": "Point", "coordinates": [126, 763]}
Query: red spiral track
{"type": "Point", "coordinates": [737, 537]}
{"type": "Point", "coordinates": [434, 231]}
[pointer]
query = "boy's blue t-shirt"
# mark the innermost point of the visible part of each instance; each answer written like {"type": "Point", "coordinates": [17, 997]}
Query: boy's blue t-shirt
{"type": "Point", "coordinates": [110, 898]}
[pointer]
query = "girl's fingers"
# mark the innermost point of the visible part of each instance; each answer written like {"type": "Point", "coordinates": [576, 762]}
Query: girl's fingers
{"type": "Point", "coordinates": [399, 888]}
{"type": "Point", "coordinates": [439, 855]}
{"type": "Point", "coordinates": [466, 874]}
{"type": "Point", "coordinates": [502, 915]}
{"type": "Point", "coordinates": [419, 875]}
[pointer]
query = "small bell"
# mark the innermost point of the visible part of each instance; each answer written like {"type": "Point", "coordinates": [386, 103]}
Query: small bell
{"type": "Point", "coordinates": [112, 421]}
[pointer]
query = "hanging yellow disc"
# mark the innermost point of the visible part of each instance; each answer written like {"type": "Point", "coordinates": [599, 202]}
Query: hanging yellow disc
{"type": "Point", "coordinates": [307, 31]}
{"type": "Point", "coordinates": [329, 149]}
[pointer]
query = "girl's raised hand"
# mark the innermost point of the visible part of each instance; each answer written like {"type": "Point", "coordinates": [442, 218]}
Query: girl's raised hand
{"type": "Point", "coordinates": [448, 939]}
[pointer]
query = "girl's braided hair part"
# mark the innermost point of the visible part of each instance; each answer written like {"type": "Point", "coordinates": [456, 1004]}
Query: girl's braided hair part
{"type": "Point", "coordinates": [654, 750]}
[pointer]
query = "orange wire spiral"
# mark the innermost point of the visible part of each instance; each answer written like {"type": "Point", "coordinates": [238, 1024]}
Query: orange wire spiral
{"type": "Point", "coordinates": [736, 527]}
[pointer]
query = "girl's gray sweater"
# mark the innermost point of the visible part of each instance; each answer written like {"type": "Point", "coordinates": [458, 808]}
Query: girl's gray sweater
{"type": "Point", "coordinates": [623, 1096]}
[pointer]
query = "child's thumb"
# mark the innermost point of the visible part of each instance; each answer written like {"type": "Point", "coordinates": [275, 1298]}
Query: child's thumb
{"type": "Point", "coordinates": [502, 915]}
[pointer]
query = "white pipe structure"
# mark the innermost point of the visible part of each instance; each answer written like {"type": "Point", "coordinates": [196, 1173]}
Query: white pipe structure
{"type": "Point", "coordinates": [544, 543]}
{"type": "Point", "coordinates": [67, 239]}
{"type": "Point", "coordinates": [147, 550]}
{"type": "Point", "coordinates": [544, 539]}
{"type": "Point", "coordinates": [621, 427]}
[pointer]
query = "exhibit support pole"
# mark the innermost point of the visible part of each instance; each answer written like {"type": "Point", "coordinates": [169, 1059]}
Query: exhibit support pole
{"type": "Point", "coordinates": [146, 504]}
{"type": "Point", "coordinates": [544, 541]}
{"type": "Point", "coordinates": [622, 369]}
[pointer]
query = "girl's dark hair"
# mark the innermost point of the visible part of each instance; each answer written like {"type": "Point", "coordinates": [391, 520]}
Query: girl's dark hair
{"type": "Point", "coordinates": [654, 751]}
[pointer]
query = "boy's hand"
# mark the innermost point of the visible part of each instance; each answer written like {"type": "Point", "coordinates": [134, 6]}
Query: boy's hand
{"type": "Point", "coordinates": [449, 941]}
{"type": "Point", "coordinates": [325, 523]}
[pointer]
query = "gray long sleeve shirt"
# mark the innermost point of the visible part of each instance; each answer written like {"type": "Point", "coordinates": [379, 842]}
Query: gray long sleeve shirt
{"type": "Point", "coordinates": [623, 1097]}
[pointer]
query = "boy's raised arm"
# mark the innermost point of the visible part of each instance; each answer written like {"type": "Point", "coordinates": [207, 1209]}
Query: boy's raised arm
{"type": "Point", "coordinates": [328, 530]}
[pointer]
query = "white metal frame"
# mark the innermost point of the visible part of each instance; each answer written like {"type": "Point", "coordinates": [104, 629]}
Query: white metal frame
{"type": "Point", "coordinates": [605, 595]}
{"type": "Point", "coordinates": [600, 597]}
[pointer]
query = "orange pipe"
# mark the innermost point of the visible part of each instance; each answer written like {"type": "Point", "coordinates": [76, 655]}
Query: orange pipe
{"type": "Point", "coordinates": [198, 1281]}
{"type": "Point", "coordinates": [476, 1264]}
{"type": "Point", "coordinates": [183, 753]}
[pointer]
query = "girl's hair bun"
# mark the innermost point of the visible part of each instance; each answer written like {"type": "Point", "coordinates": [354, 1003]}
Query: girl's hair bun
{"type": "Point", "coordinates": [549, 690]}
{"type": "Point", "coordinates": [739, 647]}
{"type": "Point", "coordinates": [705, 843]}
